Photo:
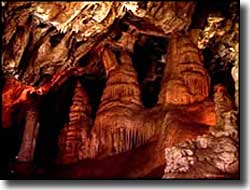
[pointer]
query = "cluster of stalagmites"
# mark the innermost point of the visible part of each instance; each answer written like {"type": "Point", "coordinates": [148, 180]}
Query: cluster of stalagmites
{"type": "Point", "coordinates": [122, 123]}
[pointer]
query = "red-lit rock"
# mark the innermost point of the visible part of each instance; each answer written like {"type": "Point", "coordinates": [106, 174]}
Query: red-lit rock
{"type": "Point", "coordinates": [185, 79]}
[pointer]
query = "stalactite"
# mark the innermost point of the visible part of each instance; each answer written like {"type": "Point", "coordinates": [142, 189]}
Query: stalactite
{"type": "Point", "coordinates": [185, 80]}
{"type": "Point", "coordinates": [74, 137]}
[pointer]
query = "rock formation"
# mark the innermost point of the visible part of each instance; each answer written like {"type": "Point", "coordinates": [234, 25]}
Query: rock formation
{"type": "Point", "coordinates": [102, 60]}
{"type": "Point", "coordinates": [214, 155]}
{"type": "Point", "coordinates": [120, 122]}
{"type": "Point", "coordinates": [74, 137]}
{"type": "Point", "coordinates": [185, 80]}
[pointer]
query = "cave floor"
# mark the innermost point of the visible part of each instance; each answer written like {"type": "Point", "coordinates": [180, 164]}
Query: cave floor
{"type": "Point", "coordinates": [136, 164]}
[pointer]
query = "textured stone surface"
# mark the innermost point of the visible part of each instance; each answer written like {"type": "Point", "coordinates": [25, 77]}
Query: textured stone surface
{"type": "Point", "coordinates": [106, 124]}
{"type": "Point", "coordinates": [74, 137]}
{"type": "Point", "coordinates": [120, 124]}
{"type": "Point", "coordinates": [212, 155]}
{"type": "Point", "coordinates": [185, 80]}
{"type": "Point", "coordinates": [14, 93]}
{"type": "Point", "coordinates": [27, 149]}
{"type": "Point", "coordinates": [44, 38]}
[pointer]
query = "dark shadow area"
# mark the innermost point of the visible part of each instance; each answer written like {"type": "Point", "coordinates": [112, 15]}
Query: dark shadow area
{"type": "Point", "coordinates": [219, 72]}
{"type": "Point", "coordinates": [204, 8]}
{"type": "Point", "coordinates": [148, 63]}
{"type": "Point", "coordinates": [125, 183]}
{"type": "Point", "coordinates": [94, 86]}
{"type": "Point", "coordinates": [53, 115]}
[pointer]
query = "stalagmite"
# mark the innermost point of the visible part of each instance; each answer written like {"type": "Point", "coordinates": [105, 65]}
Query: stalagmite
{"type": "Point", "coordinates": [120, 113]}
{"type": "Point", "coordinates": [74, 137]}
{"type": "Point", "coordinates": [185, 80]}
{"type": "Point", "coordinates": [223, 103]}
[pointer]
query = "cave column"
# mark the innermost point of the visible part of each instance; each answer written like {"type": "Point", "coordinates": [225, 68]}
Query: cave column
{"type": "Point", "coordinates": [27, 148]}
{"type": "Point", "coordinates": [185, 80]}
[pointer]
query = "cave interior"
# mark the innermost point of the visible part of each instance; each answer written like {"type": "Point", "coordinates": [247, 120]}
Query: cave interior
{"type": "Point", "coordinates": [148, 57]}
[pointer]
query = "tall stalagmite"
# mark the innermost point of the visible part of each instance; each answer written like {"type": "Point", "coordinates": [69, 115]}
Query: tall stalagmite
{"type": "Point", "coordinates": [73, 138]}
{"type": "Point", "coordinates": [121, 123]}
{"type": "Point", "coordinates": [185, 79]}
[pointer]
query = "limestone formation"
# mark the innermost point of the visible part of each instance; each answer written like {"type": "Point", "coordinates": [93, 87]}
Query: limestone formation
{"type": "Point", "coordinates": [185, 80]}
{"type": "Point", "coordinates": [214, 155]}
{"type": "Point", "coordinates": [120, 123]}
{"type": "Point", "coordinates": [120, 89]}
{"type": "Point", "coordinates": [73, 139]}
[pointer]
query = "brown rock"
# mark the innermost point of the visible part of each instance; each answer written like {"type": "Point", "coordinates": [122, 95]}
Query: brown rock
{"type": "Point", "coordinates": [74, 135]}
{"type": "Point", "coordinates": [14, 93]}
{"type": "Point", "coordinates": [185, 79]}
